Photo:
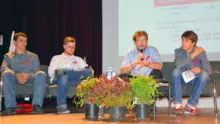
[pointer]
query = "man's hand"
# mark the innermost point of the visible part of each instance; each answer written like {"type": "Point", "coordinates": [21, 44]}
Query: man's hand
{"type": "Point", "coordinates": [59, 72]}
{"type": "Point", "coordinates": [197, 51]}
{"type": "Point", "coordinates": [196, 70]}
{"type": "Point", "coordinates": [140, 56]}
{"type": "Point", "coordinates": [143, 64]}
{"type": "Point", "coordinates": [20, 78]}
{"type": "Point", "coordinates": [25, 77]}
{"type": "Point", "coordinates": [92, 71]}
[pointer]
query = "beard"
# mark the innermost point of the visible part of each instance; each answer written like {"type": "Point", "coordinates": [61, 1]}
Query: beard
{"type": "Point", "coordinates": [141, 48]}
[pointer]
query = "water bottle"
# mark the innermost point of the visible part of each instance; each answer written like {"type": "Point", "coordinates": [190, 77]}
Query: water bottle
{"type": "Point", "coordinates": [135, 101]}
{"type": "Point", "coordinates": [110, 73]}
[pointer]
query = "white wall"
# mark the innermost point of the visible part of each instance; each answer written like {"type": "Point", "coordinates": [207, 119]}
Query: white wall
{"type": "Point", "coordinates": [110, 36]}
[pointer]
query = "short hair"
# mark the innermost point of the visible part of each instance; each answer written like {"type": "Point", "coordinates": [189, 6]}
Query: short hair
{"type": "Point", "coordinates": [140, 33]}
{"type": "Point", "coordinates": [190, 35]}
{"type": "Point", "coordinates": [68, 39]}
{"type": "Point", "coordinates": [16, 35]}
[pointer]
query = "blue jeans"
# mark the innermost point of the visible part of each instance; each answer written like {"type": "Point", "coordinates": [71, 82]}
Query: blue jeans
{"type": "Point", "coordinates": [69, 77]}
{"type": "Point", "coordinates": [199, 84]}
{"type": "Point", "coordinates": [9, 86]}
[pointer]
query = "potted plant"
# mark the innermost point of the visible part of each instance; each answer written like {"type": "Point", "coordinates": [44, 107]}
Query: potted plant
{"type": "Point", "coordinates": [86, 97]}
{"type": "Point", "coordinates": [115, 94]}
{"type": "Point", "coordinates": [143, 89]}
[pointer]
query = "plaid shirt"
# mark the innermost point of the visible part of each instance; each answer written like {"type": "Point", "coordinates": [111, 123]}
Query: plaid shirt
{"type": "Point", "coordinates": [185, 62]}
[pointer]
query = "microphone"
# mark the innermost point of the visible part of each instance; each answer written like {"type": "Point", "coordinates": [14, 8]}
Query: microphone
{"type": "Point", "coordinates": [142, 50]}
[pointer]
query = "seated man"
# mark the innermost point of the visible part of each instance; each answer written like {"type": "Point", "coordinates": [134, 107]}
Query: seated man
{"type": "Point", "coordinates": [143, 59]}
{"type": "Point", "coordinates": [67, 69]}
{"type": "Point", "coordinates": [193, 58]}
{"type": "Point", "coordinates": [22, 67]}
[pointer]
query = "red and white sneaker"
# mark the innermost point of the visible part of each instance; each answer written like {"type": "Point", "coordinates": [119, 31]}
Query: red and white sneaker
{"type": "Point", "coordinates": [178, 109]}
{"type": "Point", "coordinates": [190, 110]}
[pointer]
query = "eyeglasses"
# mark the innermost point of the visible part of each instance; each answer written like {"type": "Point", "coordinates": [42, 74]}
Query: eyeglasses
{"type": "Point", "coordinates": [70, 47]}
{"type": "Point", "coordinates": [141, 40]}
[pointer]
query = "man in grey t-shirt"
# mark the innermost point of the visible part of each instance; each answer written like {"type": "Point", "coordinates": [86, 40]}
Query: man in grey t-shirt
{"type": "Point", "coordinates": [22, 67]}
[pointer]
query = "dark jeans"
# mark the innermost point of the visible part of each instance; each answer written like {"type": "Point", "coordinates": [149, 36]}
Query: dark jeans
{"type": "Point", "coordinates": [63, 79]}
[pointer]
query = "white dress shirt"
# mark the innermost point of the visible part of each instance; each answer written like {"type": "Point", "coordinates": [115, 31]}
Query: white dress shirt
{"type": "Point", "coordinates": [67, 62]}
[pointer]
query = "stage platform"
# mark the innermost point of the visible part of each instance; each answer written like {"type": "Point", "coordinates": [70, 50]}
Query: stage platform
{"type": "Point", "coordinates": [78, 118]}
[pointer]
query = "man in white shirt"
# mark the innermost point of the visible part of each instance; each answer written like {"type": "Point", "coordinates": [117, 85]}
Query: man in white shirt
{"type": "Point", "coordinates": [67, 69]}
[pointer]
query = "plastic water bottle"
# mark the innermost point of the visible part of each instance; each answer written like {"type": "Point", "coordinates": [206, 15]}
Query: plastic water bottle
{"type": "Point", "coordinates": [135, 100]}
{"type": "Point", "coordinates": [110, 73]}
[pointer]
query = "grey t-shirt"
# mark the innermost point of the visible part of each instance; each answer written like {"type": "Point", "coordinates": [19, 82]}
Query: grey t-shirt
{"type": "Point", "coordinates": [27, 62]}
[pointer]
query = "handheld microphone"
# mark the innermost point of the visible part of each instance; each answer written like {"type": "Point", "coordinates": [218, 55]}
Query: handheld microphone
{"type": "Point", "coordinates": [142, 50]}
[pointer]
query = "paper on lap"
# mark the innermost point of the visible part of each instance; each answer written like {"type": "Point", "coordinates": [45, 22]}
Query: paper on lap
{"type": "Point", "coordinates": [188, 76]}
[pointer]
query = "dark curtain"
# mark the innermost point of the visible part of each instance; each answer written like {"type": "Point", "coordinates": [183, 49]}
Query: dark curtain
{"type": "Point", "coordinates": [48, 22]}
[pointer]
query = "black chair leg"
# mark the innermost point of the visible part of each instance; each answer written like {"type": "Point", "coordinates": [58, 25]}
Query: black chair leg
{"type": "Point", "coordinates": [154, 107]}
{"type": "Point", "coordinates": [169, 100]}
{"type": "Point", "coordinates": [0, 95]}
{"type": "Point", "coordinates": [215, 97]}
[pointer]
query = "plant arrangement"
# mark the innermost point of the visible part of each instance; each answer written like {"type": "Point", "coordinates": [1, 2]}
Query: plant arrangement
{"type": "Point", "coordinates": [114, 92]}
{"type": "Point", "coordinates": [143, 89]}
{"type": "Point", "coordinates": [84, 92]}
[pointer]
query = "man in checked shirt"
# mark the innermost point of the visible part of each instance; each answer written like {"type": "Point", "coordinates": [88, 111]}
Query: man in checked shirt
{"type": "Point", "coordinates": [190, 57]}
{"type": "Point", "coordinates": [22, 67]}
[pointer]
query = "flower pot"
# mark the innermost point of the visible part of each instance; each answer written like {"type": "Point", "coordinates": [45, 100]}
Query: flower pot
{"type": "Point", "coordinates": [117, 113]}
{"type": "Point", "coordinates": [141, 111]}
{"type": "Point", "coordinates": [91, 112]}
